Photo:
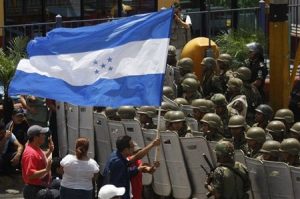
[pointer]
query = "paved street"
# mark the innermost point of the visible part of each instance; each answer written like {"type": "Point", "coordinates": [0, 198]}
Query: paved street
{"type": "Point", "coordinates": [11, 186]}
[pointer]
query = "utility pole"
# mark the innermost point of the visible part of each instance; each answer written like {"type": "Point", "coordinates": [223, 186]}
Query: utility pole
{"type": "Point", "coordinates": [279, 53]}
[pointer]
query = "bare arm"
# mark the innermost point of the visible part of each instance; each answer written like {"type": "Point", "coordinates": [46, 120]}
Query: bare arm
{"type": "Point", "coordinates": [42, 172]}
{"type": "Point", "coordinates": [139, 155]}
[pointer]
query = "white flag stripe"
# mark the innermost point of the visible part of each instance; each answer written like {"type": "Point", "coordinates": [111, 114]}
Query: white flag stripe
{"type": "Point", "coordinates": [134, 58]}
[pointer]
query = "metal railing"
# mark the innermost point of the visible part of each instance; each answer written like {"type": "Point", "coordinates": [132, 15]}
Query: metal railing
{"type": "Point", "coordinates": [204, 23]}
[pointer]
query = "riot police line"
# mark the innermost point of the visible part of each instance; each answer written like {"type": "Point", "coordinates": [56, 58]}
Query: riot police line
{"type": "Point", "coordinates": [180, 173]}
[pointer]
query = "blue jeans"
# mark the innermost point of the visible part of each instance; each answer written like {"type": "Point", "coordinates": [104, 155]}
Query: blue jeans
{"type": "Point", "coordinates": [66, 193]}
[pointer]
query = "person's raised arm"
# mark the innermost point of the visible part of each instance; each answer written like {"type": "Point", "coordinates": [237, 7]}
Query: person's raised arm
{"type": "Point", "coordinates": [141, 153]}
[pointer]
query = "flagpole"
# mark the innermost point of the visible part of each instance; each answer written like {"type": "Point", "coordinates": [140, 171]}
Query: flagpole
{"type": "Point", "coordinates": [157, 151]}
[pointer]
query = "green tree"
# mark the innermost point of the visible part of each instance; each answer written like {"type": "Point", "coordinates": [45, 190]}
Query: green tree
{"type": "Point", "coordinates": [9, 60]}
{"type": "Point", "coordinates": [234, 43]}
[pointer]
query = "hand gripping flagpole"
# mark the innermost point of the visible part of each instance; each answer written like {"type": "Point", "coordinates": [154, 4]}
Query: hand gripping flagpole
{"type": "Point", "coordinates": [157, 150]}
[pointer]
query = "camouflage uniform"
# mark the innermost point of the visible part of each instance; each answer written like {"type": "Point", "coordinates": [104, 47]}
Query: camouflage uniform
{"type": "Point", "coordinates": [259, 70]}
{"type": "Point", "coordinates": [230, 179]}
{"type": "Point", "coordinates": [250, 91]}
{"type": "Point", "coordinates": [209, 86]}
{"type": "Point", "coordinates": [257, 134]}
{"type": "Point", "coordinates": [215, 131]}
{"type": "Point", "coordinates": [291, 148]}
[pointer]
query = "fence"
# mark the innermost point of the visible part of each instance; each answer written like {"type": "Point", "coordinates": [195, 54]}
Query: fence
{"type": "Point", "coordinates": [204, 23]}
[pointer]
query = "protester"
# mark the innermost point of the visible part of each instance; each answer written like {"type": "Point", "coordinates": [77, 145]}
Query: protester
{"type": "Point", "coordinates": [36, 164]}
{"type": "Point", "coordinates": [116, 170]}
{"type": "Point", "coordinates": [136, 181]}
{"type": "Point", "coordinates": [79, 171]}
{"type": "Point", "coordinates": [18, 125]}
{"type": "Point", "coordinates": [10, 150]}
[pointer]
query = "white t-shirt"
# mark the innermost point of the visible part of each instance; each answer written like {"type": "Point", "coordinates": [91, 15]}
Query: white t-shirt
{"type": "Point", "coordinates": [78, 174]}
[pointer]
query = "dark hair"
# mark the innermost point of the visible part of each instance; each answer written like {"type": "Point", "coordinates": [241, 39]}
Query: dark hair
{"type": "Point", "coordinates": [55, 164]}
{"type": "Point", "coordinates": [82, 146]}
{"type": "Point", "coordinates": [123, 142]}
{"type": "Point", "coordinates": [2, 126]}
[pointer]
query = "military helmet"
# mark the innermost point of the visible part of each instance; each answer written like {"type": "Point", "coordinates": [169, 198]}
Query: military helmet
{"type": "Point", "coordinates": [243, 73]}
{"type": "Point", "coordinates": [205, 106]}
{"type": "Point", "coordinates": [110, 112]}
{"type": "Point", "coordinates": [150, 111]}
{"type": "Point", "coordinates": [270, 147]}
{"type": "Point", "coordinates": [266, 110]}
{"type": "Point", "coordinates": [225, 58]}
{"type": "Point", "coordinates": [295, 128]}
{"type": "Point", "coordinates": [190, 84]}
{"type": "Point", "coordinates": [213, 120]}
{"type": "Point", "coordinates": [190, 75]}
{"type": "Point", "coordinates": [181, 101]}
{"type": "Point", "coordinates": [219, 99]}
{"type": "Point", "coordinates": [235, 84]}
{"type": "Point", "coordinates": [290, 145]}
{"type": "Point", "coordinates": [166, 106]}
{"type": "Point", "coordinates": [256, 133]}
{"type": "Point", "coordinates": [285, 114]}
{"type": "Point", "coordinates": [176, 116]}
{"type": "Point", "coordinates": [276, 126]}
{"type": "Point", "coordinates": [126, 112]}
{"type": "Point", "coordinates": [255, 47]}
{"type": "Point", "coordinates": [167, 116]}
{"type": "Point", "coordinates": [185, 64]}
{"type": "Point", "coordinates": [224, 148]}
{"type": "Point", "coordinates": [209, 63]}
{"type": "Point", "coordinates": [168, 92]}
{"type": "Point", "coordinates": [171, 50]}
{"type": "Point", "coordinates": [236, 121]}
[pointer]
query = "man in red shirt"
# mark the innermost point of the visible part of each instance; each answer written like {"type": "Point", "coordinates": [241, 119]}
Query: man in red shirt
{"type": "Point", "coordinates": [36, 164]}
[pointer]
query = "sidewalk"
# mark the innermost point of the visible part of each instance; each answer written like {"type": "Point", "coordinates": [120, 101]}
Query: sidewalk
{"type": "Point", "coordinates": [11, 186]}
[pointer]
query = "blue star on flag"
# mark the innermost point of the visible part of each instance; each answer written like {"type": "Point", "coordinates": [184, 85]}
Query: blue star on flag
{"type": "Point", "coordinates": [109, 59]}
{"type": "Point", "coordinates": [102, 65]}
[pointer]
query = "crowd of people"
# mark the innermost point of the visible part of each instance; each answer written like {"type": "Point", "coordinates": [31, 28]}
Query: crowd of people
{"type": "Point", "coordinates": [228, 105]}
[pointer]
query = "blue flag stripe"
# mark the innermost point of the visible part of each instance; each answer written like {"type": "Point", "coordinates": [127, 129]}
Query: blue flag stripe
{"type": "Point", "coordinates": [137, 90]}
{"type": "Point", "coordinates": [103, 36]}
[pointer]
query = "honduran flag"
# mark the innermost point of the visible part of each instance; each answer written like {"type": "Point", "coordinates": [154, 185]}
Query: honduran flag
{"type": "Point", "coordinates": [121, 62]}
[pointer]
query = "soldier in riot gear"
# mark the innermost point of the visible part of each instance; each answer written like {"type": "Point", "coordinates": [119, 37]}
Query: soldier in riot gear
{"type": "Point", "coordinates": [209, 80]}
{"type": "Point", "coordinates": [200, 108]}
{"type": "Point", "coordinates": [263, 115]}
{"type": "Point", "coordinates": [295, 131]}
{"type": "Point", "coordinates": [185, 65]}
{"type": "Point", "coordinates": [237, 101]}
{"type": "Point", "coordinates": [168, 92]}
{"type": "Point", "coordinates": [170, 68]}
{"type": "Point", "coordinates": [177, 123]}
{"type": "Point", "coordinates": [190, 87]}
{"type": "Point", "coordinates": [255, 63]}
{"type": "Point", "coordinates": [212, 127]}
{"type": "Point", "coordinates": [255, 137]}
{"type": "Point", "coordinates": [221, 110]}
{"type": "Point", "coordinates": [230, 179]}
{"type": "Point", "coordinates": [287, 117]}
{"type": "Point", "coordinates": [224, 62]}
{"type": "Point", "coordinates": [166, 106]}
{"type": "Point", "coordinates": [171, 59]}
{"type": "Point", "coordinates": [289, 149]}
{"type": "Point", "coordinates": [181, 101]}
{"type": "Point", "coordinates": [270, 151]}
{"type": "Point", "coordinates": [111, 113]}
{"type": "Point", "coordinates": [237, 127]}
{"type": "Point", "coordinates": [126, 112]}
{"type": "Point", "coordinates": [277, 130]}
{"type": "Point", "coordinates": [146, 114]}
{"type": "Point", "coordinates": [250, 91]}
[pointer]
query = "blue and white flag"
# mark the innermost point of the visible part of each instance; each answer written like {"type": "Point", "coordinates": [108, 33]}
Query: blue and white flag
{"type": "Point", "coordinates": [112, 64]}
